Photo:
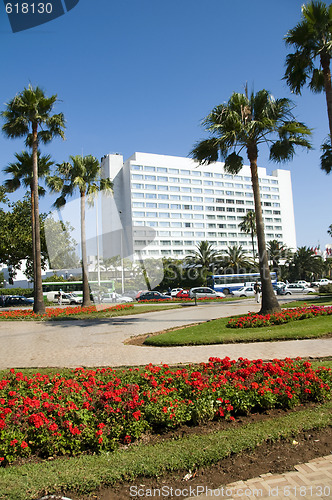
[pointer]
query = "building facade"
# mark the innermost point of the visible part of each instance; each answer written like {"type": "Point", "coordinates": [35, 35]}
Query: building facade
{"type": "Point", "coordinates": [163, 206]}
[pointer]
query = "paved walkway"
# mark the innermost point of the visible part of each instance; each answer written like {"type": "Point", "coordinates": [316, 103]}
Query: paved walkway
{"type": "Point", "coordinates": [310, 480]}
{"type": "Point", "coordinates": [101, 342]}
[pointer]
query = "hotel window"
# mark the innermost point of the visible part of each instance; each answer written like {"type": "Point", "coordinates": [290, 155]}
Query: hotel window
{"type": "Point", "coordinates": [232, 235]}
{"type": "Point", "coordinates": [230, 209]}
{"type": "Point", "coordinates": [151, 223]}
{"type": "Point", "coordinates": [151, 196]}
{"type": "Point", "coordinates": [138, 204]}
{"type": "Point", "coordinates": [162, 178]}
{"type": "Point", "coordinates": [228, 176]}
{"type": "Point", "coordinates": [165, 242]}
{"type": "Point", "coordinates": [240, 210]}
{"type": "Point", "coordinates": [152, 214]}
{"type": "Point", "coordinates": [187, 215]}
{"type": "Point", "coordinates": [248, 186]}
{"type": "Point", "coordinates": [197, 173]}
{"type": "Point", "coordinates": [230, 201]}
{"type": "Point", "coordinates": [163, 205]}
{"type": "Point", "coordinates": [164, 233]}
{"type": "Point", "coordinates": [231, 217]}
{"type": "Point", "coordinates": [248, 202]}
{"type": "Point", "coordinates": [250, 195]}
{"type": "Point", "coordinates": [229, 184]}
{"type": "Point", "coordinates": [185, 189]}
{"type": "Point", "coordinates": [239, 186]}
{"type": "Point", "coordinates": [212, 235]}
{"type": "Point", "coordinates": [240, 202]}
{"type": "Point", "coordinates": [198, 207]}
{"type": "Point", "coordinates": [276, 204]}
{"type": "Point", "coordinates": [140, 242]}
{"type": "Point", "coordinates": [208, 191]}
{"type": "Point", "coordinates": [238, 193]}
{"type": "Point", "coordinates": [173, 170]}
{"type": "Point", "coordinates": [269, 227]}
{"type": "Point", "coordinates": [268, 219]}
{"type": "Point", "coordinates": [175, 215]}
{"type": "Point", "coordinates": [277, 220]}
{"type": "Point", "coordinates": [220, 200]}
{"type": "Point", "coordinates": [136, 167]}
{"type": "Point", "coordinates": [269, 235]}
{"type": "Point", "coordinates": [275, 189]}
{"type": "Point", "coordinates": [208, 183]}
{"type": "Point", "coordinates": [198, 216]}
{"type": "Point", "coordinates": [210, 208]}
{"type": "Point", "coordinates": [174, 188]}
{"type": "Point", "coordinates": [275, 197]}
{"type": "Point", "coordinates": [137, 177]}
{"type": "Point", "coordinates": [196, 190]}
{"type": "Point", "coordinates": [210, 216]}
{"type": "Point", "coordinates": [175, 197]}
{"type": "Point", "coordinates": [198, 224]}
{"type": "Point", "coordinates": [221, 217]}
{"type": "Point", "coordinates": [222, 243]}
{"type": "Point", "coordinates": [273, 181]}
{"type": "Point", "coordinates": [188, 242]}
{"type": "Point", "coordinates": [150, 177]}
{"type": "Point", "coordinates": [276, 212]}
{"type": "Point", "coordinates": [138, 195]}
{"type": "Point", "coordinates": [163, 224]}
{"type": "Point", "coordinates": [208, 200]}
{"type": "Point", "coordinates": [211, 225]}
{"type": "Point", "coordinates": [138, 186]}
{"type": "Point", "coordinates": [197, 198]}
{"type": "Point", "coordinates": [162, 170]}
{"type": "Point", "coordinates": [185, 172]}
{"type": "Point", "coordinates": [198, 234]}
{"type": "Point", "coordinates": [229, 193]}
{"type": "Point", "coordinates": [278, 235]}
{"type": "Point", "coordinates": [231, 226]}
{"type": "Point", "coordinates": [187, 207]}
{"type": "Point", "coordinates": [162, 188]}
{"type": "Point", "coordinates": [138, 214]}
{"type": "Point", "coordinates": [222, 235]}
{"type": "Point", "coordinates": [218, 176]}
{"type": "Point", "coordinates": [165, 252]}
{"type": "Point", "coordinates": [218, 184]}
{"type": "Point", "coordinates": [150, 186]}
{"type": "Point", "coordinates": [175, 207]}
{"type": "Point", "coordinates": [221, 226]}
{"type": "Point", "coordinates": [151, 205]}
{"type": "Point", "coordinates": [267, 204]}
{"type": "Point", "coordinates": [220, 209]}
{"type": "Point", "coordinates": [173, 179]}
{"type": "Point", "coordinates": [161, 196]}
{"type": "Point", "coordinates": [247, 178]}
{"type": "Point", "coordinates": [185, 181]}
{"type": "Point", "coordinates": [150, 169]}
{"type": "Point", "coordinates": [188, 224]}
{"type": "Point", "coordinates": [176, 224]}
{"type": "Point", "coordinates": [196, 181]}
{"type": "Point", "coordinates": [164, 215]}
{"type": "Point", "coordinates": [277, 228]}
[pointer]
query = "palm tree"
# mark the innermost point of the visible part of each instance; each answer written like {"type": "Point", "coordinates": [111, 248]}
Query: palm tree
{"type": "Point", "coordinates": [329, 231]}
{"type": "Point", "coordinates": [248, 226]}
{"type": "Point", "coordinates": [236, 259]}
{"type": "Point", "coordinates": [84, 174]}
{"type": "Point", "coordinates": [277, 251]}
{"type": "Point", "coordinates": [312, 41]}
{"type": "Point", "coordinates": [305, 265]}
{"type": "Point", "coordinates": [204, 257]}
{"type": "Point", "coordinates": [21, 174]}
{"type": "Point", "coordinates": [245, 123]}
{"type": "Point", "coordinates": [28, 115]}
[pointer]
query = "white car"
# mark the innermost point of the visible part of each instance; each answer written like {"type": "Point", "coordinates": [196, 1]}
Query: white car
{"type": "Point", "coordinates": [304, 283]}
{"type": "Point", "coordinates": [244, 291]}
{"type": "Point", "coordinates": [296, 288]}
{"type": "Point", "coordinates": [322, 282]}
{"type": "Point", "coordinates": [68, 298]}
{"type": "Point", "coordinates": [203, 292]}
{"type": "Point", "coordinates": [174, 291]}
{"type": "Point", "coordinates": [116, 298]}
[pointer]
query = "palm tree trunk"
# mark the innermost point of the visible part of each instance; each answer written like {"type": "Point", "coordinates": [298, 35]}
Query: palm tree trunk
{"type": "Point", "coordinates": [33, 229]}
{"type": "Point", "coordinates": [325, 62]}
{"type": "Point", "coordinates": [253, 245]}
{"type": "Point", "coordinates": [86, 291]}
{"type": "Point", "coordinates": [39, 305]}
{"type": "Point", "coordinates": [269, 301]}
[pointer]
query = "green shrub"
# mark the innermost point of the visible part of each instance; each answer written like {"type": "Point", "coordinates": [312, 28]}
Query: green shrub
{"type": "Point", "coordinates": [26, 292]}
{"type": "Point", "coordinates": [325, 288]}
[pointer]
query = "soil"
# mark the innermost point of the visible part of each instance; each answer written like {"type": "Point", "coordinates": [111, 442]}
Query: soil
{"type": "Point", "coordinates": [270, 457]}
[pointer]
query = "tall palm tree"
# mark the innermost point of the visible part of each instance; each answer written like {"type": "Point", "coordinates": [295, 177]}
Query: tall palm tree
{"type": "Point", "coordinates": [244, 123]}
{"type": "Point", "coordinates": [21, 174]}
{"type": "Point", "coordinates": [305, 265]}
{"type": "Point", "coordinates": [204, 256]}
{"type": "Point", "coordinates": [329, 231]}
{"type": "Point", "coordinates": [236, 259]}
{"type": "Point", "coordinates": [29, 115]}
{"type": "Point", "coordinates": [310, 63]}
{"type": "Point", "coordinates": [248, 226]}
{"type": "Point", "coordinates": [83, 174]}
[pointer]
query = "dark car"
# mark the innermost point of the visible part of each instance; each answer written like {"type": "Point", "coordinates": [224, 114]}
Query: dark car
{"type": "Point", "coordinates": [17, 300]}
{"type": "Point", "coordinates": [151, 295]}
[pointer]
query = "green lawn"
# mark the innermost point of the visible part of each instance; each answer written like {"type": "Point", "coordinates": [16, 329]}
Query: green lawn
{"type": "Point", "coordinates": [85, 474]}
{"type": "Point", "coordinates": [215, 332]}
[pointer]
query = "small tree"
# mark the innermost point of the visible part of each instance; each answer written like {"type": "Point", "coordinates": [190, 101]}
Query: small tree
{"type": "Point", "coordinates": [248, 226]}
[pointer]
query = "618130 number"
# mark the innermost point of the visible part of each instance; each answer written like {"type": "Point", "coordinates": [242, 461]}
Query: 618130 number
{"type": "Point", "coordinates": [29, 8]}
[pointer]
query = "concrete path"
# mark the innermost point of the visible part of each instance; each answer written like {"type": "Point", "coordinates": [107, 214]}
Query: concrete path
{"type": "Point", "coordinates": [101, 342]}
{"type": "Point", "coordinates": [310, 480]}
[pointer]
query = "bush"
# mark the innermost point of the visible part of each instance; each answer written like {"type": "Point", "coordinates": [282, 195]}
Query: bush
{"type": "Point", "coordinates": [25, 292]}
{"type": "Point", "coordinates": [325, 288]}
{"type": "Point", "coordinates": [93, 410]}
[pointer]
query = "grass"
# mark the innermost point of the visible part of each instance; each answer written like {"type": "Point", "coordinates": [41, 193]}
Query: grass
{"type": "Point", "coordinates": [323, 300]}
{"type": "Point", "coordinates": [88, 473]}
{"type": "Point", "coordinates": [215, 332]}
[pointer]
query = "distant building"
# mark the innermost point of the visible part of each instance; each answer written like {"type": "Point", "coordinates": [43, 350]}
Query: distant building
{"type": "Point", "coordinates": [168, 204]}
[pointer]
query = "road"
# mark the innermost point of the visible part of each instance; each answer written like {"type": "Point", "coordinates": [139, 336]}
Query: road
{"type": "Point", "coordinates": [101, 342]}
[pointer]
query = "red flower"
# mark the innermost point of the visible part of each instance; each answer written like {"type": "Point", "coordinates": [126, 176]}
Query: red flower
{"type": "Point", "coordinates": [24, 444]}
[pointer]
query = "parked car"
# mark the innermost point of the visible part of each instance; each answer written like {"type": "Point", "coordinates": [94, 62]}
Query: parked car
{"type": "Point", "coordinates": [183, 294]}
{"type": "Point", "coordinates": [323, 281]}
{"type": "Point", "coordinates": [174, 291]}
{"type": "Point", "coordinates": [68, 298]}
{"type": "Point", "coordinates": [131, 293]}
{"type": "Point", "coordinates": [151, 295]}
{"type": "Point", "coordinates": [204, 293]}
{"type": "Point", "coordinates": [304, 283]}
{"type": "Point", "coordinates": [281, 290]}
{"type": "Point", "coordinates": [17, 300]}
{"type": "Point", "coordinates": [116, 297]}
{"type": "Point", "coordinates": [244, 291]}
{"type": "Point", "coordinates": [296, 288]}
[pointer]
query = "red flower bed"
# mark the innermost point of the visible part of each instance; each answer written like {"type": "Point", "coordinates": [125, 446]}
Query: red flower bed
{"type": "Point", "coordinates": [278, 318]}
{"type": "Point", "coordinates": [93, 410]}
{"type": "Point", "coordinates": [57, 312]}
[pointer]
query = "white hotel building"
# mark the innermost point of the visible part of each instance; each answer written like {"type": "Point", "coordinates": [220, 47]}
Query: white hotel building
{"type": "Point", "coordinates": [168, 204]}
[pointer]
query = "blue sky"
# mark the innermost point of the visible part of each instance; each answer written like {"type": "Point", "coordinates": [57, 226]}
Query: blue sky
{"type": "Point", "coordinates": [140, 75]}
